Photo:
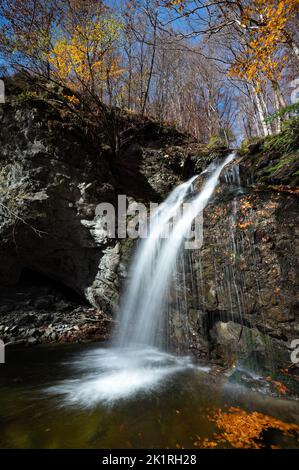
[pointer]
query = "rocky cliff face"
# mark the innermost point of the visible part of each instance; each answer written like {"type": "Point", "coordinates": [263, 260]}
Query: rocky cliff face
{"type": "Point", "coordinates": [53, 174]}
{"type": "Point", "coordinates": [246, 303]}
{"type": "Point", "coordinates": [247, 278]}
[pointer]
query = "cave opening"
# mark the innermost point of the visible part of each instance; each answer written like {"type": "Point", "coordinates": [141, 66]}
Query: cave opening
{"type": "Point", "coordinates": [39, 283]}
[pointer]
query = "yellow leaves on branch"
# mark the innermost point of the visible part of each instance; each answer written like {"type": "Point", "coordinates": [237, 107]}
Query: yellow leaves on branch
{"type": "Point", "coordinates": [72, 99]}
{"type": "Point", "coordinates": [87, 54]}
{"type": "Point", "coordinates": [179, 4]}
{"type": "Point", "coordinates": [264, 22]}
{"type": "Point", "coordinates": [244, 430]}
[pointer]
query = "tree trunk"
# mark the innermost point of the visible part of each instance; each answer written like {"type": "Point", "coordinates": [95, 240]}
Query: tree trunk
{"type": "Point", "coordinates": [278, 94]}
{"type": "Point", "coordinates": [279, 103]}
{"type": "Point", "coordinates": [262, 112]}
{"type": "Point", "coordinates": [291, 44]}
{"type": "Point", "coordinates": [151, 66]}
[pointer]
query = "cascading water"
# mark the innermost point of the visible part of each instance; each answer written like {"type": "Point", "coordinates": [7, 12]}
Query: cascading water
{"type": "Point", "coordinates": [141, 314]}
{"type": "Point", "coordinates": [136, 326]}
{"type": "Point", "coordinates": [135, 362]}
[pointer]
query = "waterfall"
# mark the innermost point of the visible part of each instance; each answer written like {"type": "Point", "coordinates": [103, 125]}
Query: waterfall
{"type": "Point", "coordinates": [135, 361]}
{"type": "Point", "coordinates": [142, 309]}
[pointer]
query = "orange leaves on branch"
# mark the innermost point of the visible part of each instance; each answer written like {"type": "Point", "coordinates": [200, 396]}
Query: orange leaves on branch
{"type": "Point", "coordinates": [264, 22]}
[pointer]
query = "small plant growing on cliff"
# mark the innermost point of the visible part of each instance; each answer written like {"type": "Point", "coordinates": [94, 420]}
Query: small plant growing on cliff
{"type": "Point", "coordinates": [223, 139]}
{"type": "Point", "coordinates": [13, 201]}
{"type": "Point", "coordinates": [291, 111]}
{"type": "Point", "coordinates": [287, 140]}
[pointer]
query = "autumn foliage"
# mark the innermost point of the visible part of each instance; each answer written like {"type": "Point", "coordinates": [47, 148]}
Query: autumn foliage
{"type": "Point", "coordinates": [244, 430]}
{"type": "Point", "coordinates": [86, 57]}
{"type": "Point", "coordinates": [162, 58]}
{"type": "Point", "coordinates": [264, 22]}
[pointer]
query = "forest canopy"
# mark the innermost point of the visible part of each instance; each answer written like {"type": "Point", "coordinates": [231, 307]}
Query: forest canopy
{"type": "Point", "coordinates": [211, 68]}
